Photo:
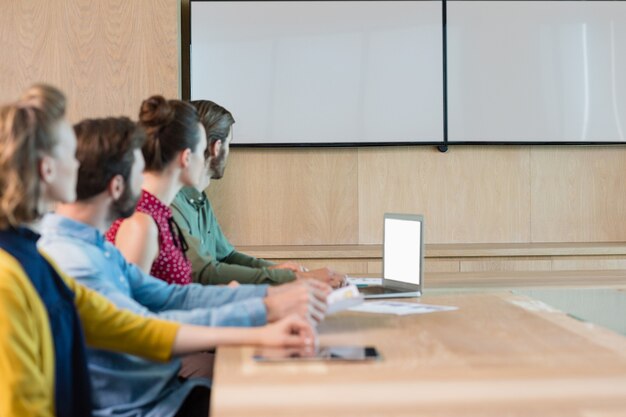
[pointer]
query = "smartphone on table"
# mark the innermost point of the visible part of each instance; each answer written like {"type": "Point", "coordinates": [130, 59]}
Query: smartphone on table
{"type": "Point", "coordinates": [320, 353]}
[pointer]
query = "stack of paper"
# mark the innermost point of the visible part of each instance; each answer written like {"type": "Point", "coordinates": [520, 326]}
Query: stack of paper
{"type": "Point", "coordinates": [343, 298]}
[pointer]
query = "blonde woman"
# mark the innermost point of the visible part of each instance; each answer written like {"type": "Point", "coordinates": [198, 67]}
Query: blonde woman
{"type": "Point", "coordinates": [45, 317]}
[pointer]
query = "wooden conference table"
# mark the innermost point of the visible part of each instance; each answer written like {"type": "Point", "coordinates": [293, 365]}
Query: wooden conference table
{"type": "Point", "coordinates": [499, 354]}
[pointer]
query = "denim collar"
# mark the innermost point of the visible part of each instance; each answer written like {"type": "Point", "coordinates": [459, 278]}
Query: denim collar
{"type": "Point", "coordinates": [56, 224]}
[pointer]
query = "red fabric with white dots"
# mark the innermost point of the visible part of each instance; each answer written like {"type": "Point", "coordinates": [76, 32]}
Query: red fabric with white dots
{"type": "Point", "coordinates": [171, 265]}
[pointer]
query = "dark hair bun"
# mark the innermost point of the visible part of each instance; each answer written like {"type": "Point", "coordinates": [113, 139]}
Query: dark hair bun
{"type": "Point", "coordinates": [156, 111]}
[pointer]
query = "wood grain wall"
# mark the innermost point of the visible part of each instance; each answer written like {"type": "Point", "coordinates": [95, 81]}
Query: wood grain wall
{"type": "Point", "coordinates": [109, 55]}
{"type": "Point", "coordinates": [106, 55]}
{"type": "Point", "coordinates": [480, 194]}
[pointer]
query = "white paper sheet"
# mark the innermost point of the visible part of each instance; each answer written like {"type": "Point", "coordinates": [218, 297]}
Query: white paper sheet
{"type": "Point", "coordinates": [399, 308]}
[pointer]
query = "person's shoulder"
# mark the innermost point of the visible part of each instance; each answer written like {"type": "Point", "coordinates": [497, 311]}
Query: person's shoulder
{"type": "Point", "coordinates": [18, 296]}
{"type": "Point", "coordinates": [68, 252]}
{"type": "Point", "coordinates": [140, 223]}
{"type": "Point", "coordinates": [180, 204]}
{"type": "Point", "coordinates": [56, 242]}
{"type": "Point", "coordinates": [11, 271]}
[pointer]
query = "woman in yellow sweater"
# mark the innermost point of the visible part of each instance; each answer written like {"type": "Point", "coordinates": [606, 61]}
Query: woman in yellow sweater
{"type": "Point", "coordinates": [45, 317]}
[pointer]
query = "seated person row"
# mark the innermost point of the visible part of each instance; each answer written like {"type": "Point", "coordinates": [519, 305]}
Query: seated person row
{"type": "Point", "coordinates": [46, 317]}
{"type": "Point", "coordinates": [214, 260]}
{"type": "Point", "coordinates": [108, 187]}
{"type": "Point", "coordinates": [174, 152]}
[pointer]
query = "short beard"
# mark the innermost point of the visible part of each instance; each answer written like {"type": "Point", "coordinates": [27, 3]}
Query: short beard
{"type": "Point", "coordinates": [125, 206]}
{"type": "Point", "coordinates": [217, 165]}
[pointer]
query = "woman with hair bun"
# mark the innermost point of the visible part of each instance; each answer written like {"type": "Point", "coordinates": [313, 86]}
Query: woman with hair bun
{"type": "Point", "coordinates": [174, 154]}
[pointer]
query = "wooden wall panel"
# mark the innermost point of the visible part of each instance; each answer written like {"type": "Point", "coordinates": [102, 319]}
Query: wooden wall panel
{"type": "Point", "coordinates": [578, 194]}
{"type": "Point", "coordinates": [288, 196]}
{"type": "Point", "coordinates": [106, 56]}
{"type": "Point", "coordinates": [470, 194]}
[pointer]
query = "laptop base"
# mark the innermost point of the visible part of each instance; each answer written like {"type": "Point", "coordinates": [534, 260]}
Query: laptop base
{"type": "Point", "coordinates": [370, 293]}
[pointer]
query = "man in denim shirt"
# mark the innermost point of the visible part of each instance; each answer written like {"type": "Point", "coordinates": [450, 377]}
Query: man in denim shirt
{"type": "Point", "coordinates": [108, 186]}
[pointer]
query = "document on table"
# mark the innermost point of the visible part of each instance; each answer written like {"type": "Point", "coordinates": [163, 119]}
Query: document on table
{"type": "Point", "coordinates": [399, 308]}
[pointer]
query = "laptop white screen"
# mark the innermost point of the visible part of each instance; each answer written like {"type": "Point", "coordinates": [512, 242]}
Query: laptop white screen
{"type": "Point", "coordinates": [402, 250]}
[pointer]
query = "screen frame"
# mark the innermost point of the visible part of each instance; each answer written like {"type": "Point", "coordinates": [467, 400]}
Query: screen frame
{"type": "Point", "coordinates": [442, 146]}
{"type": "Point", "coordinates": [401, 285]}
{"type": "Point", "coordinates": [186, 87]}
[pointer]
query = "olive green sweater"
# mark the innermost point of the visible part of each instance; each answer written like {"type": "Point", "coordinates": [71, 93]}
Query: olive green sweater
{"type": "Point", "coordinates": [214, 260]}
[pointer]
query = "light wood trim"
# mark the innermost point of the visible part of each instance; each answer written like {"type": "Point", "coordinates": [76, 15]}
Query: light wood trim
{"type": "Point", "coordinates": [463, 250]}
{"type": "Point", "coordinates": [581, 263]}
{"type": "Point", "coordinates": [520, 263]}
{"type": "Point", "coordinates": [313, 251]}
{"type": "Point", "coordinates": [433, 265]}
{"type": "Point", "coordinates": [525, 249]}
{"type": "Point", "coordinates": [523, 279]}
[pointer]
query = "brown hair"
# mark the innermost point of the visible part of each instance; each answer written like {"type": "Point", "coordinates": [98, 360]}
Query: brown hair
{"type": "Point", "coordinates": [105, 149]}
{"type": "Point", "coordinates": [25, 136]}
{"type": "Point", "coordinates": [47, 98]}
{"type": "Point", "coordinates": [217, 121]}
{"type": "Point", "coordinates": [171, 127]}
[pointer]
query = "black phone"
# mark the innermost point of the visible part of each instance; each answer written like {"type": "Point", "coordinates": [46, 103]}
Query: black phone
{"type": "Point", "coordinates": [320, 353]}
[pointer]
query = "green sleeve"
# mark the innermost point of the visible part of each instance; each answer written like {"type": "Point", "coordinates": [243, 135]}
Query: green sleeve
{"type": "Point", "coordinates": [238, 258]}
{"type": "Point", "coordinates": [222, 273]}
{"type": "Point", "coordinates": [208, 271]}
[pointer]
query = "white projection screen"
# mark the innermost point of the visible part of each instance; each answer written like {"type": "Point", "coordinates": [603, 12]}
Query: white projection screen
{"type": "Point", "coordinates": [322, 72]}
{"type": "Point", "coordinates": [373, 72]}
{"type": "Point", "coordinates": [536, 71]}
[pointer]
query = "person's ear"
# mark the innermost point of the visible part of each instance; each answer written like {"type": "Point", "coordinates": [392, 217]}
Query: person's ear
{"type": "Point", "coordinates": [185, 158]}
{"type": "Point", "coordinates": [116, 187]}
{"type": "Point", "coordinates": [215, 147]}
{"type": "Point", "coordinates": [47, 170]}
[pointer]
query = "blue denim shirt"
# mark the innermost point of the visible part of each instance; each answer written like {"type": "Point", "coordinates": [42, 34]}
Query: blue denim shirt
{"type": "Point", "coordinates": [126, 385]}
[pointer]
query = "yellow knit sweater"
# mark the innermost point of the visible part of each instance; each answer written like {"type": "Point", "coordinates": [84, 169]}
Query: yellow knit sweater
{"type": "Point", "coordinates": [26, 349]}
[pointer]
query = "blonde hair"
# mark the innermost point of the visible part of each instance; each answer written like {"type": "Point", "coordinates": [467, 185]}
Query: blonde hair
{"type": "Point", "coordinates": [25, 137]}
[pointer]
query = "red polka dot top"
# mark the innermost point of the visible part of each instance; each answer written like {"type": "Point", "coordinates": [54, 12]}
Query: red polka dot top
{"type": "Point", "coordinates": [171, 265]}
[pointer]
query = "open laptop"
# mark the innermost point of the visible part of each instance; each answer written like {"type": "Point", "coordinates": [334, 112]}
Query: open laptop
{"type": "Point", "coordinates": [403, 259]}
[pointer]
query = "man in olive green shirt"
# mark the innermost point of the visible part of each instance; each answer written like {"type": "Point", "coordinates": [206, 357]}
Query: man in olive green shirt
{"type": "Point", "coordinates": [214, 260]}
